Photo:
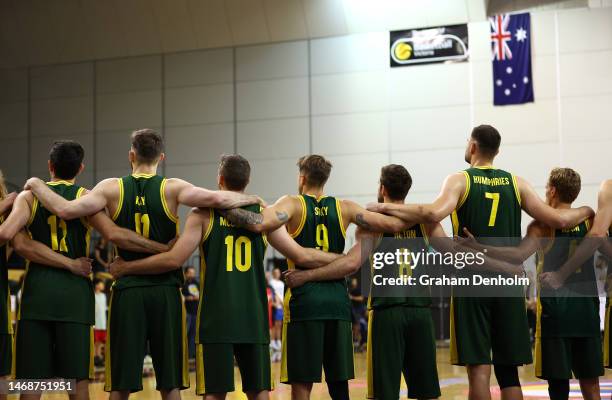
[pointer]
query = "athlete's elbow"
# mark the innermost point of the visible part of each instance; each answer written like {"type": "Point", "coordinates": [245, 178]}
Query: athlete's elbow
{"type": "Point", "coordinates": [433, 216]}
{"type": "Point", "coordinates": [4, 236]}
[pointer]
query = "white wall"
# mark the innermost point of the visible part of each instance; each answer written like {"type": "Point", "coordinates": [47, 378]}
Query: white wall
{"type": "Point", "coordinates": [336, 96]}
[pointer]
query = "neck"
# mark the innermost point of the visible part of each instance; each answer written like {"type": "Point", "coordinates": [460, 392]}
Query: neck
{"type": "Point", "coordinates": [144, 169]}
{"type": "Point", "coordinates": [479, 161]}
{"type": "Point", "coordinates": [388, 200]}
{"type": "Point", "coordinates": [554, 203]}
{"type": "Point", "coordinates": [313, 191]}
{"type": "Point", "coordinates": [54, 179]}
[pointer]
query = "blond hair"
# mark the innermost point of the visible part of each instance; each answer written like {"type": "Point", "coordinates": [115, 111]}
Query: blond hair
{"type": "Point", "coordinates": [567, 183]}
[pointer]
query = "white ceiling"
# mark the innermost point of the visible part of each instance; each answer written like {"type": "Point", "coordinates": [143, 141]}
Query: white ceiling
{"type": "Point", "coordinates": [35, 32]}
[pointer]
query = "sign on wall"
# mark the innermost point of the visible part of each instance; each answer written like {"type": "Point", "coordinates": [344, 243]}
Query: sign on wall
{"type": "Point", "coordinates": [429, 45]}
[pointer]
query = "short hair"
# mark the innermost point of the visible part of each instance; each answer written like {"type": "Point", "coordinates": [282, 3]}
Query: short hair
{"type": "Point", "coordinates": [187, 268]}
{"type": "Point", "coordinates": [148, 145]}
{"type": "Point", "coordinates": [567, 183]}
{"type": "Point", "coordinates": [396, 180]}
{"type": "Point", "coordinates": [488, 139]}
{"type": "Point", "coordinates": [66, 157]}
{"type": "Point", "coordinates": [235, 170]}
{"type": "Point", "coordinates": [315, 168]}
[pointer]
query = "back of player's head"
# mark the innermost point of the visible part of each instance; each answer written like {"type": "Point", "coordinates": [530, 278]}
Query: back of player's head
{"type": "Point", "coordinates": [148, 145]}
{"type": "Point", "coordinates": [396, 180]}
{"type": "Point", "coordinates": [235, 170]}
{"type": "Point", "coordinates": [66, 157]}
{"type": "Point", "coordinates": [566, 182]}
{"type": "Point", "coordinates": [488, 140]}
{"type": "Point", "coordinates": [315, 169]}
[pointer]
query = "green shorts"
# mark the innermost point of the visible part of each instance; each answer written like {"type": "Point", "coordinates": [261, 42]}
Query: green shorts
{"type": "Point", "coordinates": [215, 367]}
{"type": "Point", "coordinates": [558, 357]}
{"type": "Point", "coordinates": [6, 354]}
{"type": "Point", "coordinates": [481, 326]}
{"type": "Point", "coordinates": [52, 349]}
{"type": "Point", "coordinates": [153, 315]}
{"type": "Point", "coordinates": [607, 338]}
{"type": "Point", "coordinates": [401, 340]}
{"type": "Point", "coordinates": [311, 346]}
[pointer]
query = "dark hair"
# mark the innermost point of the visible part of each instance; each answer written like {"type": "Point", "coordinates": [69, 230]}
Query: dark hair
{"type": "Point", "coordinates": [187, 268]}
{"type": "Point", "coordinates": [66, 157]}
{"type": "Point", "coordinates": [396, 180]}
{"type": "Point", "coordinates": [235, 170]}
{"type": "Point", "coordinates": [148, 145]}
{"type": "Point", "coordinates": [567, 183]}
{"type": "Point", "coordinates": [315, 168]}
{"type": "Point", "coordinates": [488, 139]}
{"type": "Point", "coordinates": [97, 280]}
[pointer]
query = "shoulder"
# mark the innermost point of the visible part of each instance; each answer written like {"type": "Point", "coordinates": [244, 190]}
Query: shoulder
{"type": "Point", "coordinates": [176, 183]}
{"type": "Point", "coordinates": [26, 196]}
{"type": "Point", "coordinates": [538, 229]}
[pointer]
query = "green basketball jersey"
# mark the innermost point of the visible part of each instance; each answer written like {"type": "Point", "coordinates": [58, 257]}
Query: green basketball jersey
{"type": "Point", "coordinates": [233, 300]}
{"type": "Point", "coordinates": [321, 227]}
{"type": "Point", "coordinates": [54, 294]}
{"type": "Point", "coordinates": [143, 209]}
{"type": "Point", "coordinates": [5, 296]}
{"type": "Point", "coordinates": [572, 310]}
{"type": "Point", "coordinates": [490, 207]}
{"type": "Point", "coordinates": [419, 295]}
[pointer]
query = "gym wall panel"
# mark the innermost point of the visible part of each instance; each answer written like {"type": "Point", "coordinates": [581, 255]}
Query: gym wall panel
{"type": "Point", "coordinates": [349, 93]}
{"type": "Point", "coordinates": [14, 160]}
{"type": "Point", "coordinates": [198, 68]}
{"type": "Point", "coordinates": [585, 74]}
{"type": "Point", "coordinates": [353, 53]}
{"type": "Point", "coordinates": [583, 30]}
{"type": "Point", "coordinates": [272, 179]}
{"type": "Point", "coordinates": [128, 111]}
{"type": "Point", "coordinates": [479, 42]}
{"type": "Point", "coordinates": [586, 119]}
{"type": "Point", "coordinates": [13, 85]}
{"type": "Point", "coordinates": [128, 74]}
{"type": "Point", "coordinates": [532, 162]}
{"type": "Point", "coordinates": [280, 60]}
{"type": "Point", "coordinates": [429, 168]}
{"type": "Point", "coordinates": [14, 120]}
{"type": "Point", "coordinates": [543, 37]}
{"type": "Point", "coordinates": [194, 105]}
{"type": "Point", "coordinates": [279, 98]}
{"type": "Point", "coordinates": [60, 116]}
{"type": "Point", "coordinates": [356, 174]}
{"type": "Point", "coordinates": [350, 133]}
{"type": "Point", "coordinates": [276, 138]}
{"type": "Point", "coordinates": [202, 174]}
{"type": "Point", "coordinates": [112, 149]}
{"type": "Point", "coordinates": [591, 159]}
{"type": "Point", "coordinates": [198, 143]}
{"type": "Point", "coordinates": [67, 80]}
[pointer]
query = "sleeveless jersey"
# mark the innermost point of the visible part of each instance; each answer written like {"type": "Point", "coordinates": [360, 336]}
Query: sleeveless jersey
{"type": "Point", "coordinates": [490, 207]}
{"type": "Point", "coordinates": [572, 310]}
{"type": "Point", "coordinates": [54, 294]}
{"type": "Point", "coordinates": [420, 295]}
{"type": "Point", "coordinates": [142, 208]}
{"type": "Point", "coordinates": [6, 326]}
{"type": "Point", "coordinates": [321, 227]}
{"type": "Point", "coordinates": [233, 302]}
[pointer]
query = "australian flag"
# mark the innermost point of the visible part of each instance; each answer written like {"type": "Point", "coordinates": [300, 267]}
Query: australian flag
{"type": "Point", "coordinates": [511, 47]}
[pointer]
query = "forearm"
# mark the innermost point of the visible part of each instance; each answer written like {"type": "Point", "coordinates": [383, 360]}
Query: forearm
{"type": "Point", "coordinates": [313, 258]}
{"type": "Point", "coordinates": [153, 265]}
{"type": "Point", "coordinates": [38, 253]}
{"type": "Point", "coordinates": [583, 252]}
{"type": "Point", "coordinates": [338, 269]}
{"type": "Point", "coordinates": [412, 213]}
{"type": "Point", "coordinates": [228, 200]}
{"type": "Point", "coordinates": [574, 216]}
{"type": "Point", "coordinates": [131, 241]}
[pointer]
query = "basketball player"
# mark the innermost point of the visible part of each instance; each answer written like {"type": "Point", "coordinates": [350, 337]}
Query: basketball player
{"type": "Point", "coordinates": [145, 305]}
{"type": "Point", "coordinates": [317, 315]}
{"type": "Point", "coordinates": [567, 327]}
{"type": "Point", "coordinates": [488, 202]}
{"type": "Point", "coordinates": [56, 313]}
{"type": "Point", "coordinates": [233, 309]}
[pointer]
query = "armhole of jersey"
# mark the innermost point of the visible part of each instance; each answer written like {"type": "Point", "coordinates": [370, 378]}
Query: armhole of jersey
{"type": "Point", "coordinates": [516, 189]}
{"type": "Point", "coordinates": [340, 220]}
{"type": "Point", "coordinates": [424, 232]}
{"type": "Point", "coordinates": [467, 190]}
{"type": "Point", "coordinates": [211, 222]}
{"type": "Point", "coordinates": [120, 204]}
{"type": "Point", "coordinates": [265, 240]}
{"type": "Point", "coordinates": [84, 220]}
{"type": "Point", "coordinates": [455, 223]}
{"type": "Point", "coordinates": [302, 220]}
{"type": "Point", "coordinates": [587, 224]}
{"type": "Point", "coordinates": [162, 194]}
{"type": "Point", "coordinates": [33, 211]}
{"type": "Point", "coordinates": [540, 262]}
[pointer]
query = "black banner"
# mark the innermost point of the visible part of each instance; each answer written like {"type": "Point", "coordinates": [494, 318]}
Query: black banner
{"type": "Point", "coordinates": [428, 45]}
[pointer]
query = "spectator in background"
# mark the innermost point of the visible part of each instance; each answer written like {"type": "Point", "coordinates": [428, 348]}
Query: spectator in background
{"type": "Point", "coordinates": [101, 256]}
{"type": "Point", "coordinates": [358, 310]}
{"type": "Point", "coordinates": [278, 287]}
{"type": "Point", "coordinates": [191, 292]}
{"type": "Point", "coordinates": [100, 326]}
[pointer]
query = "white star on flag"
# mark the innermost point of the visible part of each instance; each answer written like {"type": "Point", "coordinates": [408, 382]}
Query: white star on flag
{"type": "Point", "coordinates": [521, 34]}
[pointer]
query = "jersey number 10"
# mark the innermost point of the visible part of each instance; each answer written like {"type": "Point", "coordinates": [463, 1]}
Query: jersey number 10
{"type": "Point", "coordinates": [234, 249]}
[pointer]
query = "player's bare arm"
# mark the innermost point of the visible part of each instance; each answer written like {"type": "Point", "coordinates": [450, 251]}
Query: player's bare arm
{"type": "Point", "coordinates": [372, 221]}
{"type": "Point", "coordinates": [18, 218]}
{"type": "Point", "coordinates": [197, 221]}
{"type": "Point", "coordinates": [302, 256]}
{"type": "Point", "coordinates": [534, 240]}
{"type": "Point", "coordinates": [271, 218]}
{"type": "Point", "coordinates": [7, 203]}
{"type": "Point", "coordinates": [124, 238]}
{"type": "Point", "coordinates": [453, 188]}
{"type": "Point", "coordinates": [95, 200]}
{"type": "Point", "coordinates": [37, 252]}
{"type": "Point", "coordinates": [540, 211]}
{"type": "Point", "coordinates": [193, 196]}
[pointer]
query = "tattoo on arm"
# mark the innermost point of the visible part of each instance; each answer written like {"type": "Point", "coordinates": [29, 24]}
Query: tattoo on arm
{"type": "Point", "coordinates": [242, 218]}
{"type": "Point", "coordinates": [282, 216]}
{"type": "Point", "coordinates": [360, 221]}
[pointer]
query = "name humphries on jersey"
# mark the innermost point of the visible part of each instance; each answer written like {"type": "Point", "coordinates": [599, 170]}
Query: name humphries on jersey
{"type": "Point", "coordinates": [497, 181]}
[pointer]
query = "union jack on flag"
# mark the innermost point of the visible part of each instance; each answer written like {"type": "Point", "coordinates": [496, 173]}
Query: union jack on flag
{"type": "Point", "coordinates": [511, 51]}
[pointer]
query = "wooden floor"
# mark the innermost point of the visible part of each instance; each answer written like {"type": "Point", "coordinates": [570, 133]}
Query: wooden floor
{"type": "Point", "coordinates": [452, 381]}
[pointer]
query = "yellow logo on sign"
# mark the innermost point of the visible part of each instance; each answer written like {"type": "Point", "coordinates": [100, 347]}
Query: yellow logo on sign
{"type": "Point", "coordinates": [403, 51]}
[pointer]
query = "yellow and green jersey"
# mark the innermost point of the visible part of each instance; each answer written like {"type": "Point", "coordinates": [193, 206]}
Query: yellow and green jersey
{"type": "Point", "coordinates": [321, 227]}
{"type": "Point", "coordinates": [572, 310]}
{"type": "Point", "coordinates": [490, 206]}
{"type": "Point", "coordinates": [54, 294]}
{"type": "Point", "coordinates": [143, 209]}
{"type": "Point", "coordinates": [233, 300]}
{"type": "Point", "coordinates": [5, 299]}
{"type": "Point", "coordinates": [415, 295]}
